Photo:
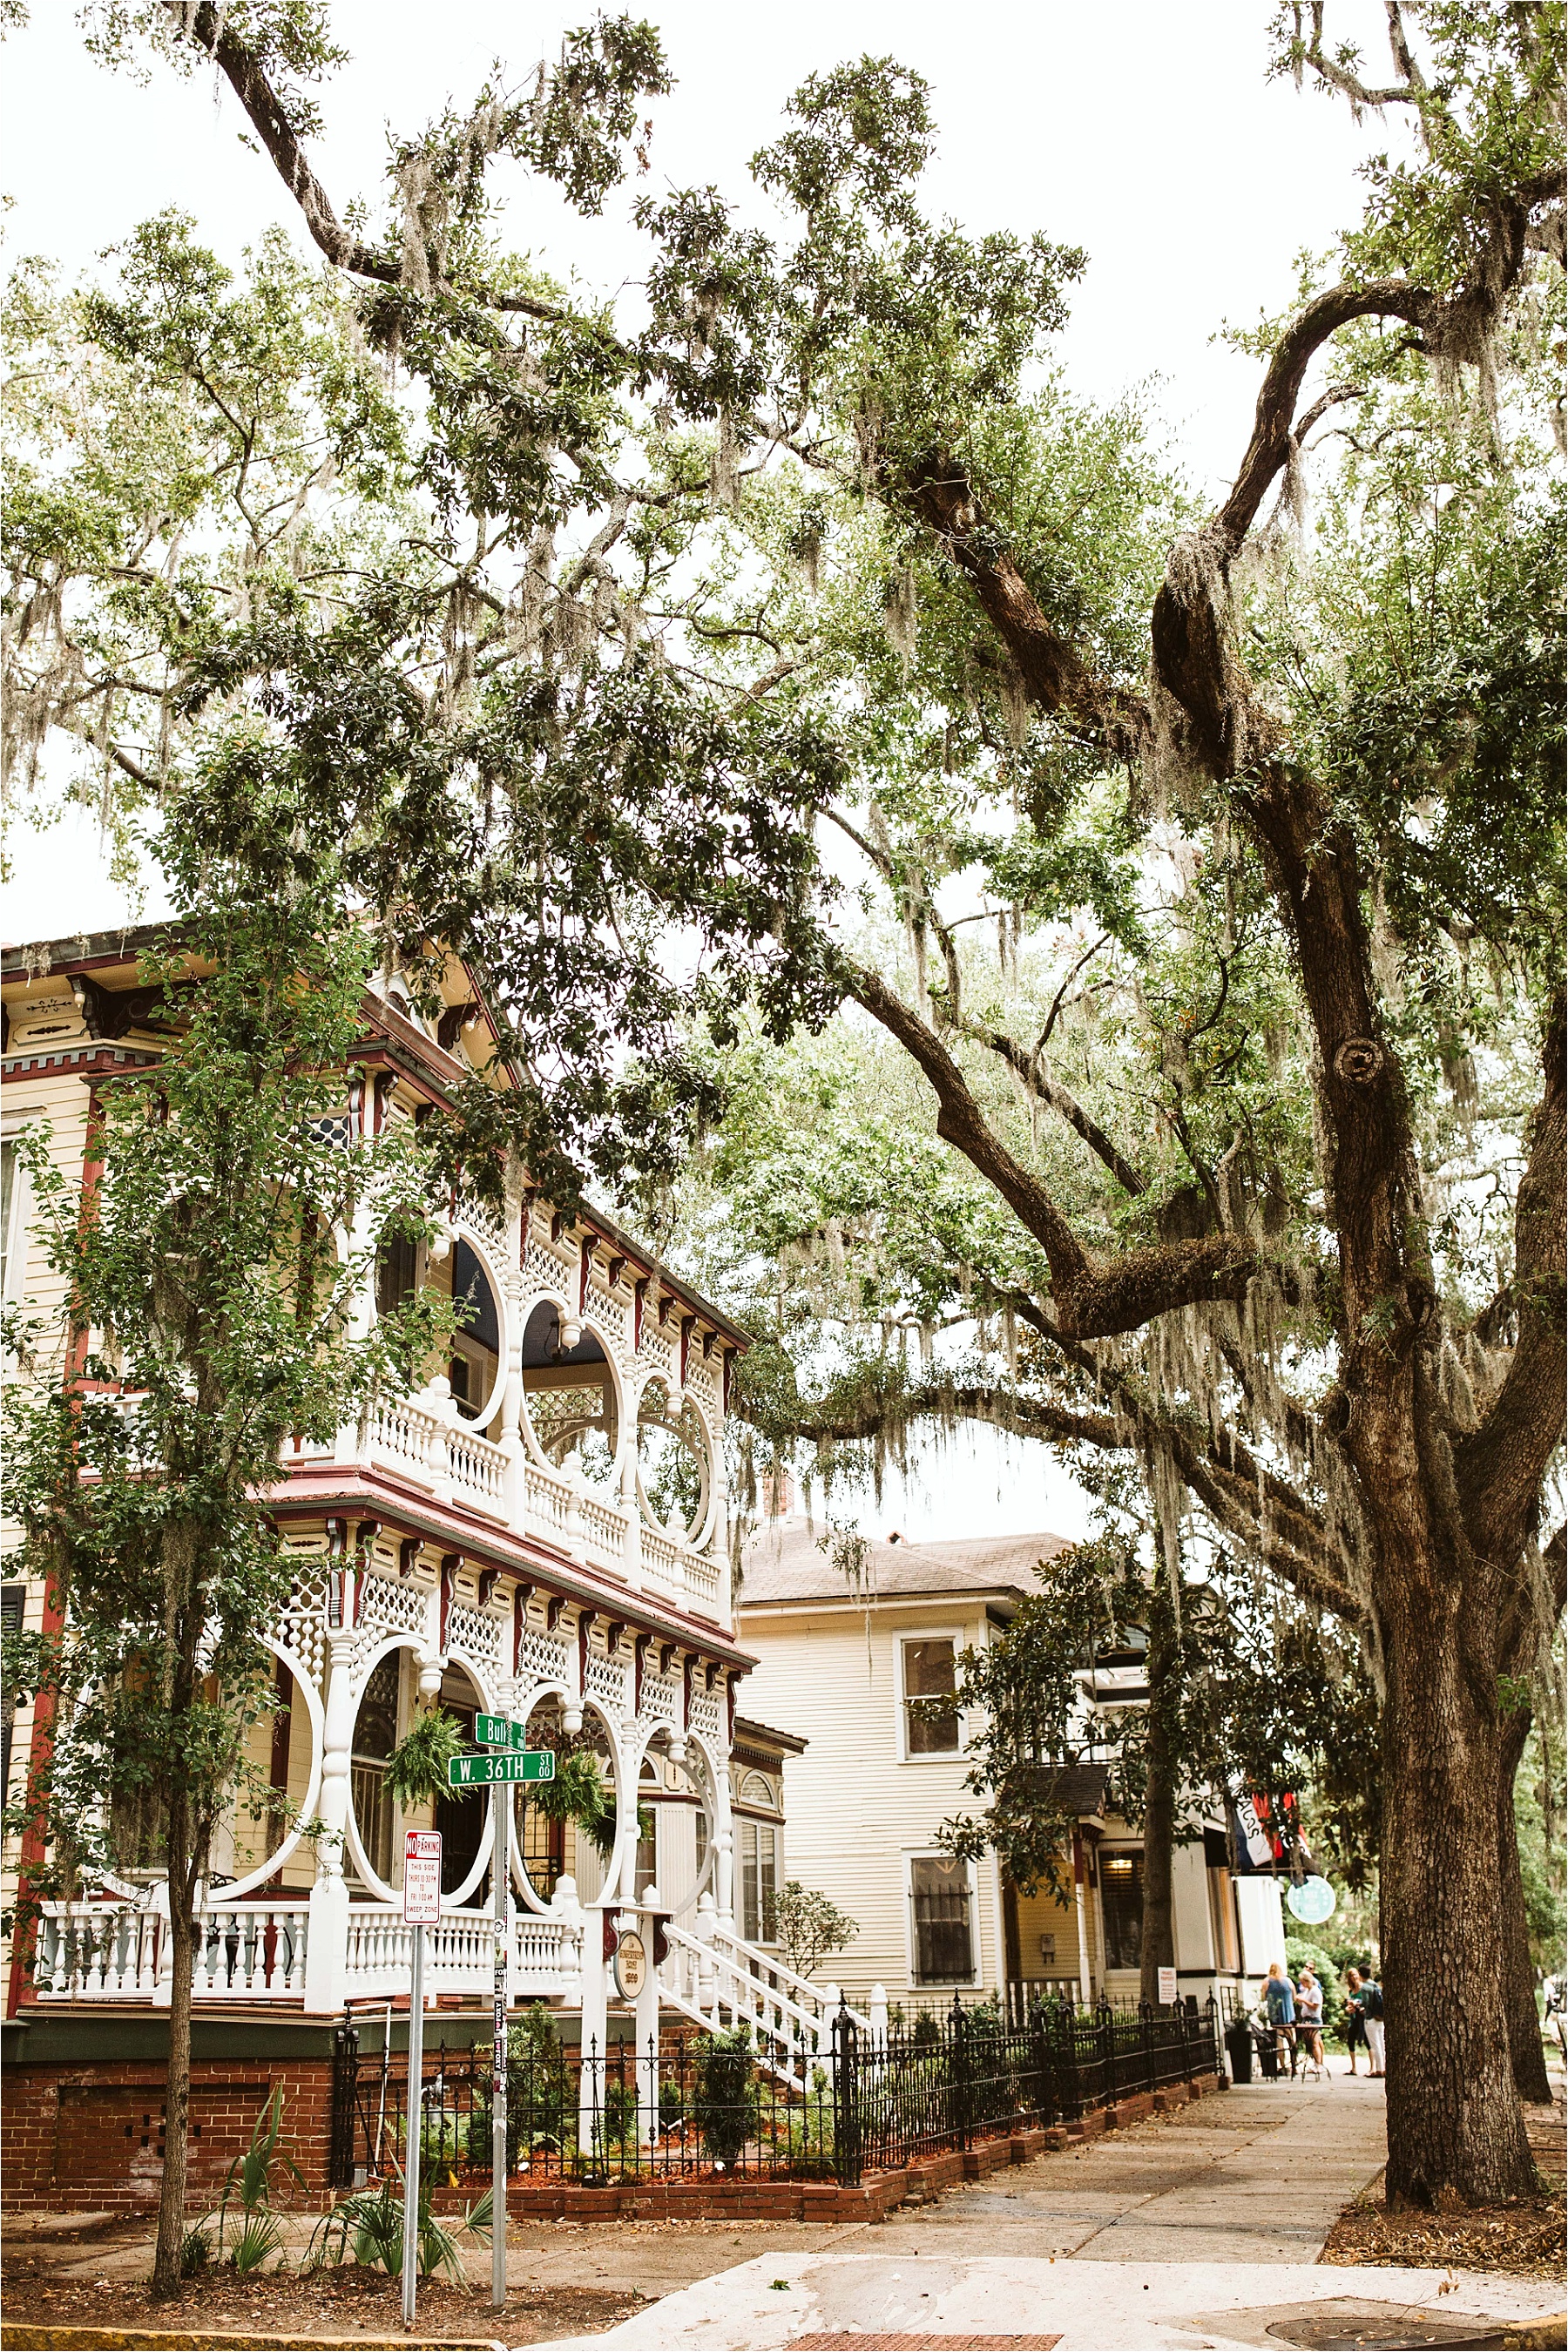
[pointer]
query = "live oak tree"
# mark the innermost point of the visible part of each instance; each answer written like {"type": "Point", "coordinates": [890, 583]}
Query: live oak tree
{"type": "Point", "coordinates": [1285, 1198]}
{"type": "Point", "coordinates": [211, 1320]}
{"type": "Point", "coordinates": [811, 538]}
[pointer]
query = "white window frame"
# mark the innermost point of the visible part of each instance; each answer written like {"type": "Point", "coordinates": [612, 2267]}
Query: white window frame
{"type": "Point", "coordinates": [757, 1823]}
{"type": "Point", "coordinates": [15, 1250]}
{"type": "Point", "coordinates": [956, 1635]}
{"type": "Point", "coordinates": [911, 1947]}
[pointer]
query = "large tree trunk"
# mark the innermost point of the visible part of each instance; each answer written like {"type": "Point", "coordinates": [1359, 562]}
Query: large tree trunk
{"type": "Point", "coordinates": [1455, 2124]}
{"type": "Point", "coordinates": [1159, 1949]}
{"type": "Point", "coordinates": [1529, 2053]}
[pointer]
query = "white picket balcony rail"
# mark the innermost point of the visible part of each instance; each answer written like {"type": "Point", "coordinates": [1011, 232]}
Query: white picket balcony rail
{"type": "Point", "coordinates": [117, 1951]}
{"type": "Point", "coordinates": [430, 1444]}
{"type": "Point", "coordinates": [256, 1952]}
{"type": "Point", "coordinates": [459, 1955]}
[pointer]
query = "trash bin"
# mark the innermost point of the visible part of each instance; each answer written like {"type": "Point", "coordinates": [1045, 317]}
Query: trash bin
{"type": "Point", "coordinates": [1238, 2044]}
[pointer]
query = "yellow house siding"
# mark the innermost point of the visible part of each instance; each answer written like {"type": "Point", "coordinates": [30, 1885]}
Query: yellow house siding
{"type": "Point", "coordinates": [856, 1806]}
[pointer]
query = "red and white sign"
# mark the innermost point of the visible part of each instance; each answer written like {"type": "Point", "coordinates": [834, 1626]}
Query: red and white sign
{"type": "Point", "coordinates": [421, 1878]}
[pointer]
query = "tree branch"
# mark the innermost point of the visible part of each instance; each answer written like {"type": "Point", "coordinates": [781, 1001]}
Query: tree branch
{"type": "Point", "coordinates": [1281, 388]}
{"type": "Point", "coordinates": [210, 31]}
{"type": "Point", "coordinates": [1499, 1467]}
{"type": "Point", "coordinates": [1093, 1297]}
{"type": "Point", "coordinates": [1041, 1083]}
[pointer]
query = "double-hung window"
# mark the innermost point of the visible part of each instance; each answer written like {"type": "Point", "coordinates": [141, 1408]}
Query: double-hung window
{"type": "Point", "coordinates": [759, 1880]}
{"type": "Point", "coordinates": [941, 1923]}
{"type": "Point", "coordinates": [929, 1683]}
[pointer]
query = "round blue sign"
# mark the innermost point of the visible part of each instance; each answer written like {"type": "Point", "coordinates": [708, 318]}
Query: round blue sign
{"type": "Point", "coordinates": [1313, 1901]}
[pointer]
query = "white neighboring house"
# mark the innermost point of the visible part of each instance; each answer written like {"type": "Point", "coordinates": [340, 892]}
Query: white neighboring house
{"type": "Point", "coordinates": [878, 1778]}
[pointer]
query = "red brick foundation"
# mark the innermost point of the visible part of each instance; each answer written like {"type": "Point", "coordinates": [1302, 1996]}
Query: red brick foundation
{"type": "Point", "coordinates": [90, 2137]}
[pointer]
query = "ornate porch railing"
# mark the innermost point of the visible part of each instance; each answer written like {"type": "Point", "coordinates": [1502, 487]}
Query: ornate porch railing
{"type": "Point", "coordinates": [118, 1951]}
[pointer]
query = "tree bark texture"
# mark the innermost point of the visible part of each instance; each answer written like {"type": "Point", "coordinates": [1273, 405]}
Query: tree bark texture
{"type": "Point", "coordinates": [1529, 2052]}
{"type": "Point", "coordinates": [166, 2279]}
{"type": "Point", "coordinates": [1455, 2125]}
{"type": "Point", "coordinates": [1159, 1946]}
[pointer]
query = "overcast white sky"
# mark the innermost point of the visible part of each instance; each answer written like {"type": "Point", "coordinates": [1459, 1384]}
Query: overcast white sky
{"type": "Point", "coordinates": [1144, 132]}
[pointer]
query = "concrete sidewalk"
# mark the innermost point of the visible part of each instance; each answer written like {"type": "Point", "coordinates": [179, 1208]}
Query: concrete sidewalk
{"type": "Point", "coordinates": [865, 2303]}
{"type": "Point", "coordinates": [1218, 2207]}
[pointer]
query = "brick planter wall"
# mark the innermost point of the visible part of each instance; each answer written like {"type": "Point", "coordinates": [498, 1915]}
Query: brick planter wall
{"type": "Point", "coordinates": [80, 2137]}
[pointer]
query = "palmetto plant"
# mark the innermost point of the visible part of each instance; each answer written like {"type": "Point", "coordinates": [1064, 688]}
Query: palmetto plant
{"type": "Point", "coordinates": [367, 2228]}
{"type": "Point", "coordinates": [249, 2186]}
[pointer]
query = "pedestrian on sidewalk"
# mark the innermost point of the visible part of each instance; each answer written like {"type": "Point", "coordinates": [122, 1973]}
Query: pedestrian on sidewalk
{"type": "Point", "coordinates": [1372, 2011]}
{"type": "Point", "coordinates": [1310, 2016]}
{"type": "Point", "coordinates": [1356, 2023]}
{"type": "Point", "coordinates": [1279, 2005]}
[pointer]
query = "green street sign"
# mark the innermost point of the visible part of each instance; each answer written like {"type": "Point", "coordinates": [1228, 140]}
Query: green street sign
{"type": "Point", "coordinates": [484, 1771]}
{"type": "Point", "coordinates": [499, 1731]}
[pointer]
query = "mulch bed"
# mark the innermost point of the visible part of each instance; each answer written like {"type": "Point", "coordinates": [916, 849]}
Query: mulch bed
{"type": "Point", "coordinates": [332, 2303]}
{"type": "Point", "coordinates": [1526, 2237]}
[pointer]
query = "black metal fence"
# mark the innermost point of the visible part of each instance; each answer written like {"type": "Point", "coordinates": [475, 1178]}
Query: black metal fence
{"type": "Point", "coordinates": [946, 2082]}
{"type": "Point", "coordinates": [709, 2106]}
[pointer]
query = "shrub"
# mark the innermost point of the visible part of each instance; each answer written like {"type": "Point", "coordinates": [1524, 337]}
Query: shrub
{"type": "Point", "coordinates": [367, 2229]}
{"type": "Point", "coordinates": [248, 2185]}
{"type": "Point", "coordinates": [724, 2102]}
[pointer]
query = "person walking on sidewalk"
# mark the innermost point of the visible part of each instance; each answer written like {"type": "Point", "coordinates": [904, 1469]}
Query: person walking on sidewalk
{"type": "Point", "coordinates": [1372, 2013]}
{"type": "Point", "coordinates": [1279, 2003]}
{"type": "Point", "coordinates": [1309, 2017]}
{"type": "Point", "coordinates": [1356, 2023]}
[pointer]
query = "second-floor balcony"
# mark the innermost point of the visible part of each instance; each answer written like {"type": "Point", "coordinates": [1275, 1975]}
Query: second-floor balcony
{"type": "Point", "coordinates": [580, 1408]}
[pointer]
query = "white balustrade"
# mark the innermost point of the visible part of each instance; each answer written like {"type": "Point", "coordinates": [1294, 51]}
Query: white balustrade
{"type": "Point", "coordinates": [722, 1982]}
{"type": "Point", "coordinates": [112, 1951]}
{"type": "Point", "coordinates": [459, 1953]}
{"type": "Point", "coordinates": [477, 1470]}
{"type": "Point", "coordinates": [402, 1434]}
{"type": "Point", "coordinates": [438, 1450]}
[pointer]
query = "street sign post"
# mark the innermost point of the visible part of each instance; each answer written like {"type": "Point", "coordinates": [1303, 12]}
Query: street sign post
{"type": "Point", "coordinates": [500, 1874]}
{"type": "Point", "coordinates": [510, 1761]}
{"type": "Point", "coordinates": [421, 1909]}
{"type": "Point", "coordinates": [499, 1731]}
{"type": "Point", "coordinates": [501, 1765]}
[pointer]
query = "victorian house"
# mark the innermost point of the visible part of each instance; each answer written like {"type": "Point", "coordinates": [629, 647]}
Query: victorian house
{"type": "Point", "coordinates": [539, 1531]}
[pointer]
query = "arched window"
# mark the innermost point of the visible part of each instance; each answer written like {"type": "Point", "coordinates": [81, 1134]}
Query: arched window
{"type": "Point", "coordinates": [375, 1737]}
{"type": "Point", "coordinates": [569, 1396]}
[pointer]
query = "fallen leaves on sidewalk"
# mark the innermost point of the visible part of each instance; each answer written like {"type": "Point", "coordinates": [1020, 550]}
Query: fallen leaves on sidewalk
{"type": "Point", "coordinates": [1523, 2239]}
{"type": "Point", "coordinates": [339, 2302]}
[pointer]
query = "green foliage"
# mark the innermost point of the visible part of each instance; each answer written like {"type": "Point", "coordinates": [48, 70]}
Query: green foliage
{"type": "Point", "coordinates": [1300, 1952]}
{"type": "Point", "coordinates": [581, 1793]}
{"type": "Point", "coordinates": [540, 2092]}
{"type": "Point", "coordinates": [724, 2094]}
{"type": "Point", "coordinates": [1244, 1696]}
{"type": "Point", "coordinates": [218, 1305]}
{"type": "Point", "coordinates": [807, 1927]}
{"type": "Point", "coordinates": [196, 2252]}
{"type": "Point", "coordinates": [1538, 1816]}
{"type": "Point", "coordinates": [366, 2228]}
{"type": "Point", "coordinates": [249, 2186]}
{"type": "Point", "coordinates": [417, 1764]}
